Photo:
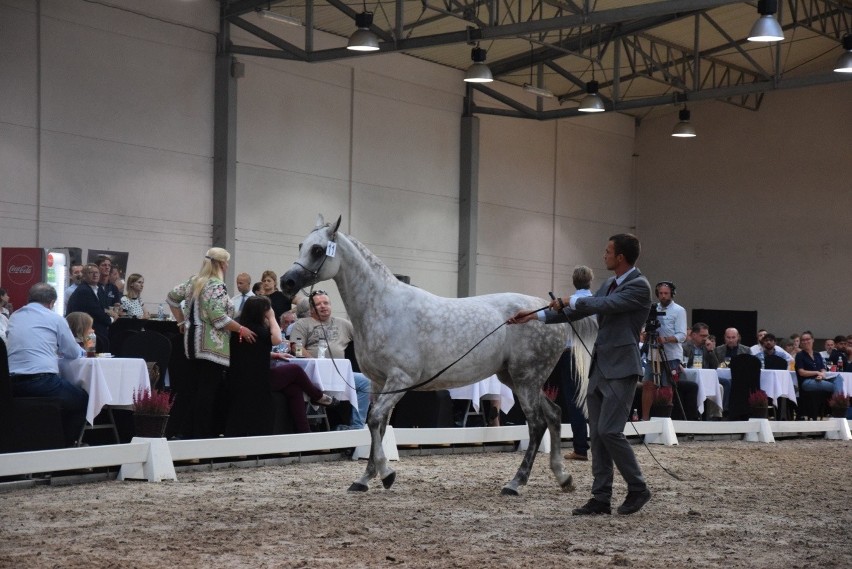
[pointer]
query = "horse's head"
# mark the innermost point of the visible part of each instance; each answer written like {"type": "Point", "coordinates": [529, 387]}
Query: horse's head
{"type": "Point", "coordinates": [317, 261]}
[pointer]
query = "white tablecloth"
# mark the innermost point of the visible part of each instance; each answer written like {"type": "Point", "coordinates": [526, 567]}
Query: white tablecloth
{"type": "Point", "coordinates": [324, 375]}
{"type": "Point", "coordinates": [847, 381]}
{"type": "Point", "coordinates": [708, 385]}
{"type": "Point", "coordinates": [108, 381]}
{"type": "Point", "coordinates": [775, 382]}
{"type": "Point", "coordinates": [488, 388]}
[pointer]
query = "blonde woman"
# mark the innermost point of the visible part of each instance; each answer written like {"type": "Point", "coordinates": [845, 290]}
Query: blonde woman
{"type": "Point", "coordinates": [269, 288]}
{"type": "Point", "coordinates": [206, 325]}
{"type": "Point", "coordinates": [131, 302]}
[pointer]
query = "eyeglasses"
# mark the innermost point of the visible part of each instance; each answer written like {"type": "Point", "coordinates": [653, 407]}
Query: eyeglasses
{"type": "Point", "coordinates": [316, 292]}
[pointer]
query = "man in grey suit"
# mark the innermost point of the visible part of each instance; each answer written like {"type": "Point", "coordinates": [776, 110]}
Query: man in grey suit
{"type": "Point", "coordinates": [622, 306]}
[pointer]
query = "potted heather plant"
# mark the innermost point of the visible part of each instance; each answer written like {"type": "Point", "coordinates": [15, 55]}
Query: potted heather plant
{"type": "Point", "coordinates": [758, 403]}
{"type": "Point", "coordinates": [151, 412]}
{"type": "Point", "coordinates": [662, 405]}
{"type": "Point", "coordinates": [838, 404]}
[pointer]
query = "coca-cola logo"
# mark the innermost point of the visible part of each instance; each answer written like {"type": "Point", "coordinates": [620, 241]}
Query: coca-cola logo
{"type": "Point", "coordinates": [21, 270]}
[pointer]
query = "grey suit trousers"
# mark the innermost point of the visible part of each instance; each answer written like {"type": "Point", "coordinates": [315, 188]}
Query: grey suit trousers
{"type": "Point", "coordinates": [609, 402]}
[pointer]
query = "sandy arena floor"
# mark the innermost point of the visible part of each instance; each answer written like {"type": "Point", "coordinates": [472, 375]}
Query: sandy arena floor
{"type": "Point", "coordinates": [739, 505]}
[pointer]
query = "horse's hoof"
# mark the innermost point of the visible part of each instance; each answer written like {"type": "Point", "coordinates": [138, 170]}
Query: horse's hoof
{"type": "Point", "coordinates": [358, 487]}
{"type": "Point", "coordinates": [388, 480]}
{"type": "Point", "coordinates": [506, 491]}
{"type": "Point", "coordinates": [568, 484]}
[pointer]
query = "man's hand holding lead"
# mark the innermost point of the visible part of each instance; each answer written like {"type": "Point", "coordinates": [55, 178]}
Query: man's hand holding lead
{"type": "Point", "coordinates": [522, 316]}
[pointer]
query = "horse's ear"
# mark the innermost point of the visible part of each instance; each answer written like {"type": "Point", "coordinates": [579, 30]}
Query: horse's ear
{"type": "Point", "coordinates": [320, 220]}
{"type": "Point", "coordinates": [334, 229]}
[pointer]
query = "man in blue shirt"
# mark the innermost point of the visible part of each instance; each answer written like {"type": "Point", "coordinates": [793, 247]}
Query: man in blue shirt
{"type": "Point", "coordinates": [36, 336]}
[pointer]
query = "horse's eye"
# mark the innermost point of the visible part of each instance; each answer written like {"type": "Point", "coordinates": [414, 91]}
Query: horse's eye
{"type": "Point", "coordinates": [317, 250]}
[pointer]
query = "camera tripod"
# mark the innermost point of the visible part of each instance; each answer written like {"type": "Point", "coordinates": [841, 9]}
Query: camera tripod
{"type": "Point", "coordinates": [659, 364]}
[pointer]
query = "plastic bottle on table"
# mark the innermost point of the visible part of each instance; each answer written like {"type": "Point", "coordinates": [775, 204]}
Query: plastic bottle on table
{"type": "Point", "coordinates": [298, 348]}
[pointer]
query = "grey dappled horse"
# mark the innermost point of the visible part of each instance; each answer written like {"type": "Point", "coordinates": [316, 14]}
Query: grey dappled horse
{"type": "Point", "coordinates": [405, 335]}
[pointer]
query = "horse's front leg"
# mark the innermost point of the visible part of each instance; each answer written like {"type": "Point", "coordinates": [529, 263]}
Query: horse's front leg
{"type": "Point", "coordinates": [377, 422]}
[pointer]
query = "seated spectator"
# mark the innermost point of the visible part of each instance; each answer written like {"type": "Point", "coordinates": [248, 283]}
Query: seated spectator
{"type": "Point", "coordinates": [839, 356]}
{"type": "Point", "coordinates": [810, 368]}
{"type": "Point", "coordinates": [755, 349]}
{"type": "Point", "coordinates": [269, 288]}
{"type": "Point", "coordinates": [338, 333]}
{"type": "Point", "coordinates": [131, 302]}
{"type": "Point", "coordinates": [80, 324]}
{"type": "Point", "coordinates": [710, 343]}
{"type": "Point", "coordinates": [85, 299]}
{"type": "Point", "coordinates": [696, 354]}
{"type": "Point", "coordinates": [294, 383]}
{"type": "Point", "coordinates": [828, 348]}
{"type": "Point", "coordinates": [288, 319]}
{"type": "Point", "coordinates": [36, 336]}
{"type": "Point", "coordinates": [770, 350]}
{"type": "Point", "coordinates": [796, 339]}
{"type": "Point", "coordinates": [778, 350]}
{"type": "Point", "coordinates": [731, 347]}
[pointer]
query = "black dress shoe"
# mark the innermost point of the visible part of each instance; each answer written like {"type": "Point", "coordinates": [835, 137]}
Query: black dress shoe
{"type": "Point", "coordinates": [634, 501]}
{"type": "Point", "coordinates": [592, 508]}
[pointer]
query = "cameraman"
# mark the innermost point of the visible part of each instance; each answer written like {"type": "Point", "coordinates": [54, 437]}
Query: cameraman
{"type": "Point", "coordinates": [668, 321]}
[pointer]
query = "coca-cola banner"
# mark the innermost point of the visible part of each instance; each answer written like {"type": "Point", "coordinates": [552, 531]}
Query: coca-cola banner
{"type": "Point", "coordinates": [22, 267]}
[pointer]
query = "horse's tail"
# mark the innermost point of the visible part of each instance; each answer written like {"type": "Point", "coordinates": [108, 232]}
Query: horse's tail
{"type": "Point", "coordinates": [582, 334]}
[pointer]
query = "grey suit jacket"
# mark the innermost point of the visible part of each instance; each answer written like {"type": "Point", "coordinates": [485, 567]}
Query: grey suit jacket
{"type": "Point", "coordinates": [621, 315]}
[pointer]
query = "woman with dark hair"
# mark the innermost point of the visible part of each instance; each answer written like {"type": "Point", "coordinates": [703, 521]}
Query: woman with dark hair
{"type": "Point", "coordinates": [281, 303]}
{"type": "Point", "coordinates": [251, 378]}
{"type": "Point", "coordinates": [250, 412]}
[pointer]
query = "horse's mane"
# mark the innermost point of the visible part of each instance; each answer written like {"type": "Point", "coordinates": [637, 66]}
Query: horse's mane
{"type": "Point", "coordinates": [376, 264]}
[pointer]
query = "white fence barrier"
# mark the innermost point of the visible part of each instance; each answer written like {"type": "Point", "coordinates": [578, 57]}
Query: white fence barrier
{"type": "Point", "coordinates": [153, 459]}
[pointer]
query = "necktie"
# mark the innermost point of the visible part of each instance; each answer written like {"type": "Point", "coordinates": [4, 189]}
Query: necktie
{"type": "Point", "coordinates": [242, 302]}
{"type": "Point", "coordinates": [612, 287]}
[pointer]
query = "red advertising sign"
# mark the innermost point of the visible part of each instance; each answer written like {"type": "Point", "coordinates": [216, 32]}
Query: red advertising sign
{"type": "Point", "coordinates": [22, 267]}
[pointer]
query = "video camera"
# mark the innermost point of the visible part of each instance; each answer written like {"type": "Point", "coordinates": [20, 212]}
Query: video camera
{"type": "Point", "coordinates": [653, 321]}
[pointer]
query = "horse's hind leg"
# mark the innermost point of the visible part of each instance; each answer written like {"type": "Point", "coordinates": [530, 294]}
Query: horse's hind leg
{"type": "Point", "coordinates": [377, 464]}
{"type": "Point", "coordinates": [529, 396]}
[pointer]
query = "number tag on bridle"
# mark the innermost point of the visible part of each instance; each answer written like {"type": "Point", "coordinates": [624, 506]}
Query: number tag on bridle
{"type": "Point", "coordinates": [330, 249]}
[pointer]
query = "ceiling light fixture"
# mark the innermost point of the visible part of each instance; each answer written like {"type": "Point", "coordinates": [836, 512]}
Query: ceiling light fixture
{"type": "Point", "coordinates": [539, 91]}
{"type": "Point", "coordinates": [479, 71]}
{"type": "Point", "coordinates": [684, 128]}
{"type": "Point", "coordinates": [363, 39]}
{"type": "Point", "coordinates": [766, 28]}
{"type": "Point", "coordinates": [844, 63]}
{"type": "Point", "coordinates": [592, 102]}
{"type": "Point", "coordinates": [276, 17]}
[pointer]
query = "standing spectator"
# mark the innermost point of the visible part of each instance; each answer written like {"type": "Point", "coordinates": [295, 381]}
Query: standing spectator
{"type": "Point", "coordinates": [243, 293]}
{"type": "Point", "coordinates": [671, 335]}
{"type": "Point", "coordinates": [116, 278]}
{"type": "Point", "coordinates": [85, 299]}
{"type": "Point", "coordinates": [269, 288]}
{"type": "Point", "coordinates": [36, 336]}
{"type": "Point", "coordinates": [131, 303]}
{"type": "Point", "coordinates": [75, 277]}
{"type": "Point", "coordinates": [250, 411]}
{"type": "Point", "coordinates": [108, 294]}
{"type": "Point", "coordinates": [566, 367]}
{"type": "Point", "coordinates": [207, 328]}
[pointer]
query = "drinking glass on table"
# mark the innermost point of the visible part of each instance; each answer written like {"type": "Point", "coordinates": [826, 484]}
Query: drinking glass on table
{"type": "Point", "coordinates": [322, 349]}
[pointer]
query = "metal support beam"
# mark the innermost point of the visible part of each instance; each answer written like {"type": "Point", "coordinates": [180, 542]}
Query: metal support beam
{"type": "Point", "coordinates": [468, 202]}
{"type": "Point", "coordinates": [225, 150]}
